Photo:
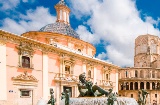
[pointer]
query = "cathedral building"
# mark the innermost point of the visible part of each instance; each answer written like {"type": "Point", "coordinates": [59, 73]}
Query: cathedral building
{"type": "Point", "coordinates": [146, 71]}
{"type": "Point", "coordinates": [54, 57]}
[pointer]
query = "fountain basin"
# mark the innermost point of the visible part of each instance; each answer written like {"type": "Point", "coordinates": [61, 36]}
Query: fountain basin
{"type": "Point", "coordinates": [100, 101]}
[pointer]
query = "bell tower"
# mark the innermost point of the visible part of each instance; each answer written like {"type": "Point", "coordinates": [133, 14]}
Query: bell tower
{"type": "Point", "coordinates": [62, 12]}
{"type": "Point", "coordinates": [146, 51]}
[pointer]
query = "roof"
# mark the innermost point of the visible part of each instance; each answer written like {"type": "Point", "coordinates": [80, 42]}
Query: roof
{"type": "Point", "coordinates": [60, 27]}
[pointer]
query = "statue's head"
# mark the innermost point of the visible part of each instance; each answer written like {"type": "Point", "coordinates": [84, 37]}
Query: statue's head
{"type": "Point", "coordinates": [51, 91]}
{"type": "Point", "coordinates": [67, 91]}
{"type": "Point", "coordinates": [82, 77]}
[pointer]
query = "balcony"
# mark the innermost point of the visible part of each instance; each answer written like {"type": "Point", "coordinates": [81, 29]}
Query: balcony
{"type": "Point", "coordinates": [59, 77]}
{"type": "Point", "coordinates": [105, 83]}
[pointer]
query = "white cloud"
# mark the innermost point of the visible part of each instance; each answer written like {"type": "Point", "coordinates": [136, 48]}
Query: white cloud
{"type": "Point", "coordinates": [8, 4]}
{"type": "Point", "coordinates": [33, 20]}
{"type": "Point", "coordinates": [11, 4]}
{"type": "Point", "coordinates": [102, 56]}
{"type": "Point", "coordinates": [116, 22]}
{"type": "Point", "coordinates": [86, 35]}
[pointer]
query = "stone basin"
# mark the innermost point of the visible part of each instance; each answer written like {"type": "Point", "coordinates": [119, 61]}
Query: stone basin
{"type": "Point", "coordinates": [100, 101]}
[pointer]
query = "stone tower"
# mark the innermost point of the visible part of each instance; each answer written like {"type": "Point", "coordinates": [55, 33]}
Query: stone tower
{"type": "Point", "coordinates": [146, 71]}
{"type": "Point", "coordinates": [147, 51]}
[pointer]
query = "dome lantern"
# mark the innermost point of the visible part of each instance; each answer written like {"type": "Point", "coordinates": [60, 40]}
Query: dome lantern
{"type": "Point", "coordinates": [62, 12]}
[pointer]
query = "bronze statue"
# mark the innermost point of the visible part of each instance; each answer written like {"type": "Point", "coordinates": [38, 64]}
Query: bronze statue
{"type": "Point", "coordinates": [142, 95]}
{"type": "Point", "coordinates": [111, 98]}
{"type": "Point", "coordinates": [87, 89]}
{"type": "Point", "coordinates": [52, 99]}
{"type": "Point", "coordinates": [139, 98]}
{"type": "Point", "coordinates": [65, 95]}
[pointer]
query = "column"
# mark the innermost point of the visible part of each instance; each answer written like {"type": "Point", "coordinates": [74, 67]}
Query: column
{"type": "Point", "coordinates": [138, 85]}
{"type": "Point", "coordinates": [57, 93]}
{"type": "Point", "coordinates": [150, 85]}
{"type": "Point", "coordinates": [116, 81]}
{"type": "Point", "coordinates": [61, 65]}
{"type": "Point", "coordinates": [95, 75]}
{"type": "Point", "coordinates": [3, 71]}
{"type": "Point", "coordinates": [129, 85]}
{"type": "Point", "coordinates": [144, 84]}
{"type": "Point", "coordinates": [45, 76]}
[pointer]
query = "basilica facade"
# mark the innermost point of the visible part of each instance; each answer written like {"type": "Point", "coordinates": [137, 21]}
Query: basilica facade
{"type": "Point", "coordinates": [146, 71]}
{"type": "Point", "coordinates": [52, 57]}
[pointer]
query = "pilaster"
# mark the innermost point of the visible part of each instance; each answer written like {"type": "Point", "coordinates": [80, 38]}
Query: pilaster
{"type": "Point", "coordinates": [3, 71]}
{"type": "Point", "coordinates": [95, 75]}
{"type": "Point", "coordinates": [45, 76]}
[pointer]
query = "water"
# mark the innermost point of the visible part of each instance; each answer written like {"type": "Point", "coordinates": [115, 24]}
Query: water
{"type": "Point", "coordinates": [42, 102]}
{"type": "Point", "coordinates": [100, 101]}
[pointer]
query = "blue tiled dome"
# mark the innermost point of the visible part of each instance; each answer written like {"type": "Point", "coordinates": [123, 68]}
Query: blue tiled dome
{"type": "Point", "coordinates": [61, 28]}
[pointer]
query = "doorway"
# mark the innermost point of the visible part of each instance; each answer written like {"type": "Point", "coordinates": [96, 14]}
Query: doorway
{"type": "Point", "coordinates": [70, 89]}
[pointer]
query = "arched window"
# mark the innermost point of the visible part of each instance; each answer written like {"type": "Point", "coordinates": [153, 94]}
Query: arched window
{"type": "Point", "coordinates": [136, 86]}
{"type": "Point", "coordinates": [153, 47]}
{"type": "Point", "coordinates": [67, 69]}
{"type": "Point", "coordinates": [158, 85]}
{"type": "Point", "coordinates": [153, 85]}
{"type": "Point", "coordinates": [136, 73]}
{"type": "Point", "coordinates": [142, 85]}
{"type": "Point", "coordinates": [127, 86]}
{"type": "Point", "coordinates": [122, 86]}
{"type": "Point", "coordinates": [126, 73]}
{"type": "Point", "coordinates": [107, 77]}
{"type": "Point", "coordinates": [25, 62]}
{"type": "Point", "coordinates": [147, 85]}
{"type": "Point", "coordinates": [131, 86]}
{"type": "Point", "coordinates": [89, 74]}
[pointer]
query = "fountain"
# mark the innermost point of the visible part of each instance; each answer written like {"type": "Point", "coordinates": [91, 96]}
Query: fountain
{"type": "Point", "coordinates": [94, 95]}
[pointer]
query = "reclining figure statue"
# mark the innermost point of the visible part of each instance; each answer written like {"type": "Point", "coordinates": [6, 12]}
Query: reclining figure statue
{"type": "Point", "coordinates": [87, 89]}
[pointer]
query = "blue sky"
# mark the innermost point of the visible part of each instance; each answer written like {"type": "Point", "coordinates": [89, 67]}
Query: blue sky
{"type": "Point", "coordinates": [110, 25]}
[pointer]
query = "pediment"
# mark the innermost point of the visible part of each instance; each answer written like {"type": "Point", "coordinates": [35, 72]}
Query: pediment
{"type": "Point", "coordinates": [25, 77]}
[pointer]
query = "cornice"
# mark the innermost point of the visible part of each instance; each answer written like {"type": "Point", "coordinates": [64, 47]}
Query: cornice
{"type": "Point", "coordinates": [46, 48]}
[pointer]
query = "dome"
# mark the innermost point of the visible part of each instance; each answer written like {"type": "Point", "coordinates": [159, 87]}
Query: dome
{"type": "Point", "coordinates": [61, 28]}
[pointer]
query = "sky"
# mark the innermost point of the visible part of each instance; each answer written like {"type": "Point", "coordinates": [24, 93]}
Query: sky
{"type": "Point", "coordinates": [110, 25]}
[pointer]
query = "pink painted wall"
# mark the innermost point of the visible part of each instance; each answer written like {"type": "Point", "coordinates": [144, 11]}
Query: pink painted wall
{"type": "Point", "coordinates": [53, 63]}
{"type": "Point", "coordinates": [12, 55]}
{"type": "Point", "coordinates": [37, 60]}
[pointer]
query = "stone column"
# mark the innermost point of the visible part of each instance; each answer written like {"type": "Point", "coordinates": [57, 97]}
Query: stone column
{"type": "Point", "coordinates": [150, 85]}
{"type": "Point", "coordinates": [45, 76]}
{"type": "Point", "coordinates": [129, 85]}
{"type": "Point", "coordinates": [144, 84]}
{"type": "Point", "coordinates": [57, 93]}
{"type": "Point", "coordinates": [138, 85]}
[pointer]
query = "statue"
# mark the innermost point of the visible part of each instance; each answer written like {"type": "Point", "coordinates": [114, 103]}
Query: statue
{"type": "Point", "coordinates": [142, 95]}
{"type": "Point", "coordinates": [111, 98]}
{"type": "Point", "coordinates": [87, 89]}
{"type": "Point", "coordinates": [139, 98]}
{"type": "Point", "coordinates": [52, 99]}
{"type": "Point", "coordinates": [65, 95]}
